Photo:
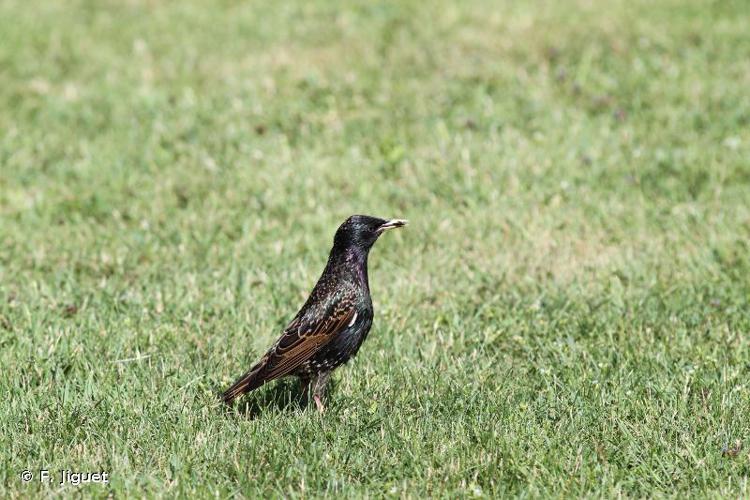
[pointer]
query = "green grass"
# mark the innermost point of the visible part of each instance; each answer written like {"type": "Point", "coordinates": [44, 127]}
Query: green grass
{"type": "Point", "coordinates": [566, 315]}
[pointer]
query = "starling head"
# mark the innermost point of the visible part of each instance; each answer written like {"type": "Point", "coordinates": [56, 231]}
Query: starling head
{"type": "Point", "coordinates": [362, 231]}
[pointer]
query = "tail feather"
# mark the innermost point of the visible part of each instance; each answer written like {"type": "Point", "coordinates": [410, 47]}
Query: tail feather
{"type": "Point", "coordinates": [248, 382]}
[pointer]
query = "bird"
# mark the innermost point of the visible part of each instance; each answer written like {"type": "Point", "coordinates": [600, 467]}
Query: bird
{"type": "Point", "coordinates": [332, 324]}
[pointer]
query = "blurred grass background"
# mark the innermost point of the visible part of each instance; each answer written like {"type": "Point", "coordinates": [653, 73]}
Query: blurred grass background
{"type": "Point", "coordinates": [567, 313]}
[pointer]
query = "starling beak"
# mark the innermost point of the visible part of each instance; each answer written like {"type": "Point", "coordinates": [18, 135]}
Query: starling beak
{"type": "Point", "coordinates": [392, 224]}
{"type": "Point", "coordinates": [334, 321]}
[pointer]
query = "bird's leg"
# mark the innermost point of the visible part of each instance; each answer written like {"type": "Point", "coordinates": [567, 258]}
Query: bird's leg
{"type": "Point", "coordinates": [319, 388]}
{"type": "Point", "coordinates": [304, 387]}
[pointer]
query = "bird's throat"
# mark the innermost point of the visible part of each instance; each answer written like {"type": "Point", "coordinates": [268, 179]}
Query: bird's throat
{"type": "Point", "coordinates": [356, 262]}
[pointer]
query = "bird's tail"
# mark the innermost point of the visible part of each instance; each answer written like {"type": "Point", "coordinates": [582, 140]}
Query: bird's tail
{"type": "Point", "coordinates": [248, 382]}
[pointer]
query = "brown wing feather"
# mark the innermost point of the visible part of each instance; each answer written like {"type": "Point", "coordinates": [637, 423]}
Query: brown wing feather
{"type": "Point", "coordinates": [295, 347]}
{"type": "Point", "coordinates": [299, 342]}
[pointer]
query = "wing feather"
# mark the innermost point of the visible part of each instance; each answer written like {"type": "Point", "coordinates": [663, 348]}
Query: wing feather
{"type": "Point", "coordinates": [301, 340]}
{"type": "Point", "coordinates": [318, 322]}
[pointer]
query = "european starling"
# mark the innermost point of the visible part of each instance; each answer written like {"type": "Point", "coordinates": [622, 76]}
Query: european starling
{"type": "Point", "coordinates": [332, 324]}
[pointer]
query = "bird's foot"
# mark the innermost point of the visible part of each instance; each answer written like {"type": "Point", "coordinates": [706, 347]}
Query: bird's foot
{"type": "Point", "coordinates": [319, 403]}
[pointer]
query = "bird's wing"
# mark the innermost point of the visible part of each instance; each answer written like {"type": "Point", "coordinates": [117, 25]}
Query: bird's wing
{"type": "Point", "coordinates": [313, 327]}
{"type": "Point", "coordinates": [304, 336]}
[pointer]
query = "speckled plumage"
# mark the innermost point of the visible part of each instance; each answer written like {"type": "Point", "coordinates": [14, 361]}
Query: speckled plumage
{"type": "Point", "coordinates": [334, 321]}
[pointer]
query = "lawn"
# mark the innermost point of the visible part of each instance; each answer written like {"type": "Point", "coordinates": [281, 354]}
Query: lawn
{"type": "Point", "coordinates": [566, 315]}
